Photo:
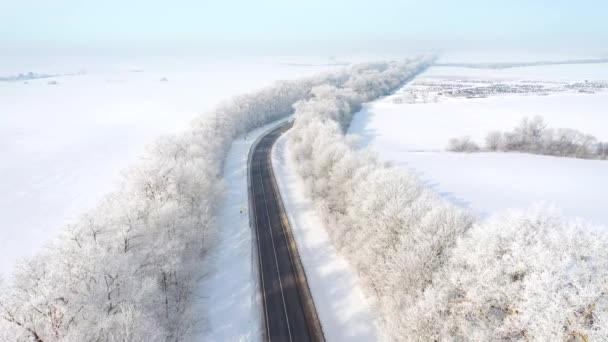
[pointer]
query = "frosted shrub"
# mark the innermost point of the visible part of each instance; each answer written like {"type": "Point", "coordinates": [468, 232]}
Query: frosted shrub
{"type": "Point", "coordinates": [464, 144]}
{"type": "Point", "coordinates": [494, 141]}
{"type": "Point", "coordinates": [533, 136]}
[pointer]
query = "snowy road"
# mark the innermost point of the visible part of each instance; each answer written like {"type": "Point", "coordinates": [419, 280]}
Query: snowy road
{"type": "Point", "coordinates": [289, 311]}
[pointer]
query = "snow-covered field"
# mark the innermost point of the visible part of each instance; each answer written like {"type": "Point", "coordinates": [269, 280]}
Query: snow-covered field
{"type": "Point", "coordinates": [429, 126]}
{"type": "Point", "coordinates": [65, 139]}
{"type": "Point", "coordinates": [415, 134]}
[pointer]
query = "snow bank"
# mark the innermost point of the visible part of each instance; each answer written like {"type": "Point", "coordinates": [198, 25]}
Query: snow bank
{"type": "Point", "coordinates": [341, 305]}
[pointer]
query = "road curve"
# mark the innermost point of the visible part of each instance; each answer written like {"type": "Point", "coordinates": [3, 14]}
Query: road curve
{"type": "Point", "coordinates": [289, 312]}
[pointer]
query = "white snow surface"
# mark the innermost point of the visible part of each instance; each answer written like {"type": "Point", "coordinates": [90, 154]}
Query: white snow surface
{"type": "Point", "coordinates": [489, 182]}
{"type": "Point", "coordinates": [415, 135]}
{"type": "Point", "coordinates": [230, 294]}
{"type": "Point", "coordinates": [342, 307]}
{"type": "Point", "coordinates": [64, 140]}
{"type": "Point", "coordinates": [429, 126]}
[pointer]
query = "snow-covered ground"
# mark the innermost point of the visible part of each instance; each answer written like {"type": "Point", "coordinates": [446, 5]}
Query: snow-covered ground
{"type": "Point", "coordinates": [343, 310]}
{"type": "Point", "coordinates": [488, 182]}
{"type": "Point", "coordinates": [416, 134]}
{"type": "Point", "coordinates": [64, 140]}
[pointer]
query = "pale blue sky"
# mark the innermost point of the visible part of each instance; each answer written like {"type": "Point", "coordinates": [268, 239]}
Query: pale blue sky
{"type": "Point", "coordinates": [313, 23]}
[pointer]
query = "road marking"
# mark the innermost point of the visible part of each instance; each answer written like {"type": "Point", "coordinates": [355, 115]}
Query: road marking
{"type": "Point", "coordinates": [257, 230]}
{"type": "Point", "coordinates": [275, 254]}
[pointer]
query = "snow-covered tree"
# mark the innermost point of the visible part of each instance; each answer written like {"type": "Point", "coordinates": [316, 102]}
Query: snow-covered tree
{"type": "Point", "coordinates": [523, 276]}
{"type": "Point", "coordinates": [463, 144]}
{"type": "Point", "coordinates": [128, 269]}
{"type": "Point", "coordinates": [431, 271]}
{"type": "Point", "coordinates": [533, 136]}
{"type": "Point", "coordinates": [494, 141]}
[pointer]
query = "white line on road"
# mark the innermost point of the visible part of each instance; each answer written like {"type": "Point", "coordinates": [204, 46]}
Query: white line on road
{"type": "Point", "coordinates": [275, 254]}
{"type": "Point", "coordinates": [257, 233]}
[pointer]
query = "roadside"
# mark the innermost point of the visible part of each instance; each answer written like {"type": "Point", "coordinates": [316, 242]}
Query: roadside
{"type": "Point", "coordinates": [341, 305]}
{"type": "Point", "coordinates": [229, 296]}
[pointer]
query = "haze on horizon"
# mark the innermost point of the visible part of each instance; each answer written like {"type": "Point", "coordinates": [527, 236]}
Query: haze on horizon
{"type": "Point", "coordinates": [73, 27]}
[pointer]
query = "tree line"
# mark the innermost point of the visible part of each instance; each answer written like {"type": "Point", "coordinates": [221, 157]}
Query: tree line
{"type": "Point", "coordinates": [127, 270]}
{"type": "Point", "coordinates": [433, 271]}
{"type": "Point", "coordinates": [534, 136]}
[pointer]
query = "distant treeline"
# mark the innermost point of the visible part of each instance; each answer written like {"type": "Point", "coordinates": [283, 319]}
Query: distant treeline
{"type": "Point", "coordinates": [506, 65]}
{"type": "Point", "coordinates": [533, 136]}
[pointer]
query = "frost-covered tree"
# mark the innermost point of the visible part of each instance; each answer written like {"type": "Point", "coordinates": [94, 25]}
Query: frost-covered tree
{"type": "Point", "coordinates": [533, 136]}
{"type": "Point", "coordinates": [128, 269]}
{"type": "Point", "coordinates": [464, 144]}
{"type": "Point", "coordinates": [393, 231]}
{"type": "Point", "coordinates": [432, 273]}
{"type": "Point", "coordinates": [521, 276]}
{"type": "Point", "coordinates": [494, 141]}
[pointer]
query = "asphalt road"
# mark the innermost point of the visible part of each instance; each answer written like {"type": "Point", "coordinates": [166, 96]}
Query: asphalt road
{"type": "Point", "coordinates": [288, 307]}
